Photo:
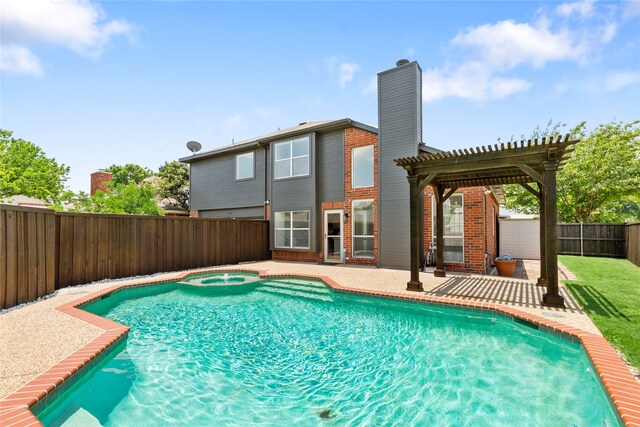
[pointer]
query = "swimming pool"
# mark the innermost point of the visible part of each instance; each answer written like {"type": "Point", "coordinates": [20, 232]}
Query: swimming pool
{"type": "Point", "coordinates": [293, 351]}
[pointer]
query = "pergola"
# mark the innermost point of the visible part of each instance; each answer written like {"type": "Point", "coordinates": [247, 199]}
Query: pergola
{"type": "Point", "coordinates": [532, 164]}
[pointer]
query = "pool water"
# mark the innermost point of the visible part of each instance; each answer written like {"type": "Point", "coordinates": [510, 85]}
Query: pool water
{"type": "Point", "coordinates": [294, 352]}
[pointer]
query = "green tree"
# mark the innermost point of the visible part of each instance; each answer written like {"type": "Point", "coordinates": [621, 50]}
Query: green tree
{"type": "Point", "coordinates": [26, 170]}
{"type": "Point", "coordinates": [120, 199]}
{"type": "Point", "coordinates": [173, 183]}
{"type": "Point", "coordinates": [601, 180]}
{"type": "Point", "coordinates": [128, 173]}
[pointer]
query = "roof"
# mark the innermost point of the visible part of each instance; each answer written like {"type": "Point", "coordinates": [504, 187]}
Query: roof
{"type": "Point", "coordinates": [301, 129]}
{"type": "Point", "coordinates": [21, 200]}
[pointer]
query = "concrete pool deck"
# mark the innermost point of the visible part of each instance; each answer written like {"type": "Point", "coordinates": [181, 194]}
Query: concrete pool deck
{"type": "Point", "coordinates": [41, 336]}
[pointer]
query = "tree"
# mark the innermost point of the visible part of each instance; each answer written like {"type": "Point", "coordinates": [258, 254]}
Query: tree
{"type": "Point", "coordinates": [129, 173]}
{"type": "Point", "coordinates": [174, 183]}
{"type": "Point", "coordinates": [26, 170]}
{"type": "Point", "coordinates": [601, 179]}
{"type": "Point", "coordinates": [120, 199]}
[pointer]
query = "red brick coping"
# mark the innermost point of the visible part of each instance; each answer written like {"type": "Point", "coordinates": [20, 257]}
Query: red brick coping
{"type": "Point", "coordinates": [621, 385]}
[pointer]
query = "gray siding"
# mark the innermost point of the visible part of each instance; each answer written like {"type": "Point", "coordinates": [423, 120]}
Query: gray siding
{"type": "Point", "coordinates": [330, 176]}
{"type": "Point", "coordinates": [253, 212]}
{"type": "Point", "coordinates": [297, 193]}
{"type": "Point", "coordinates": [330, 166]}
{"type": "Point", "coordinates": [214, 185]}
{"type": "Point", "coordinates": [400, 132]}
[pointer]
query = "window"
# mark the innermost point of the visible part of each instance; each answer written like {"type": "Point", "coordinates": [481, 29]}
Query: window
{"type": "Point", "coordinates": [292, 229]}
{"type": "Point", "coordinates": [362, 167]}
{"type": "Point", "coordinates": [244, 166]}
{"type": "Point", "coordinates": [453, 227]}
{"type": "Point", "coordinates": [362, 213]}
{"type": "Point", "coordinates": [291, 158]}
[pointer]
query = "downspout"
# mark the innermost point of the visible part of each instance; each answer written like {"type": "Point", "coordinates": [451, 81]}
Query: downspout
{"type": "Point", "coordinates": [484, 232]}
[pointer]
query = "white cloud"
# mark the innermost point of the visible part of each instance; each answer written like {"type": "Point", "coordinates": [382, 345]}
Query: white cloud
{"type": "Point", "coordinates": [77, 25]}
{"type": "Point", "coordinates": [470, 81]}
{"type": "Point", "coordinates": [19, 60]}
{"type": "Point", "coordinates": [581, 8]}
{"type": "Point", "coordinates": [343, 71]}
{"type": "Point", "coordinates": [619, 80]}
{"type": "Point", "coordinates": [347, 70]}
{"type": "Point", "coordinates": [508, 44]}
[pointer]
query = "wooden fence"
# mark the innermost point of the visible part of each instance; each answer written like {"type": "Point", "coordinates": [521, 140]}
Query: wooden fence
{"type": "Point", "coordinates": [41, 250]}
{"type": "Point", "coordinates": [606, 240]}
{"type": "Point", "coordinates": [633, 242]}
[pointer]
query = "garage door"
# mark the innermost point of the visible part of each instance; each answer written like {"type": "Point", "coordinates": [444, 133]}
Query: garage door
{"type": "Point", "coordinates": [520, 238]}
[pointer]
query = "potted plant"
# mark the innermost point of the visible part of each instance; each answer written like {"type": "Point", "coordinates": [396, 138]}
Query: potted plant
{"type": "Point", "coordinates": [505, 264]}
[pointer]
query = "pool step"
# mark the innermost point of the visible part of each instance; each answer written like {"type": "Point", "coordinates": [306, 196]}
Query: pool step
{"type": "Point", "coordinates": [80, 417]}
{"type": "Point", "coordinates": [304, 290]}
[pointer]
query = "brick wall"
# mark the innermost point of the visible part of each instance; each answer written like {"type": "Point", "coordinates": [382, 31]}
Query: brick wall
{"type": "Point", "coordinates": [354, 138]}
{"type": "Point", "coordinates": [480, 233]}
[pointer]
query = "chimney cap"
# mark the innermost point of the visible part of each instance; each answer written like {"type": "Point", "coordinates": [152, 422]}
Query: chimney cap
{"type": "Point", "coordinates": [402, 62]}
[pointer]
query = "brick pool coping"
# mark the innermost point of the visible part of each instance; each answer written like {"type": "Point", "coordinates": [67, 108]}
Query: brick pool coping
{"type": "Point", "coordinates": [622, 386]}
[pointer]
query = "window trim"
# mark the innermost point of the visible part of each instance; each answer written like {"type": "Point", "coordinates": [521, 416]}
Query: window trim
{"type": "Point", "coordinates": [253, 176]}
{"type": "Point", "coordinates": [291, 158]}
{"type": "Point", "coordinates": [373, 153]}
{"type": "Point", "coordinates": [290, 229]}
{"type": "Point", "coordinates": [433, 226]}
{"type": "Point", "coordinates": [353, 228]}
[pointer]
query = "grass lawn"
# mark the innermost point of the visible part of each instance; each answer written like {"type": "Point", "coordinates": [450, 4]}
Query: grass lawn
{"type": "Point", "coordinates": [609, 290]}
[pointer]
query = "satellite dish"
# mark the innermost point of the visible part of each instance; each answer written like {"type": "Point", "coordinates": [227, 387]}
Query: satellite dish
{"type": "Point", "coordinates": [194, 146]}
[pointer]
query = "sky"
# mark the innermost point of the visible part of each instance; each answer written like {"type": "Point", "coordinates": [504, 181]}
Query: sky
{"type": "Point", "coordinates": [96, 83]}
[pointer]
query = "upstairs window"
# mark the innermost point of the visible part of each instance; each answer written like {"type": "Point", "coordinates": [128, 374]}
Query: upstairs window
{"type": "Point", "coordinates": [291, 158]}
{"type": "Point", "coordinates": [362, 167]}
{"type": "Point", "coordinates": [245, 166]}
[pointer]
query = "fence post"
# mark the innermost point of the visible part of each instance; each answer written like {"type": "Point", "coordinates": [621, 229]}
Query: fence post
{"type": "Point", "coordinates": [581, 241]}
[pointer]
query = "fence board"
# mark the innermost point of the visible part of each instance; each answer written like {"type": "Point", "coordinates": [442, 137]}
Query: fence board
{"type": "Point", "coordinates": [633, 242]}
{"type": "Point", "coordinates": [23, 265]}
{"type": "Point", "coordinates": [31, 228]}
{"type": "Point", "coordinates": [41, 255]}
{"type": "Point", "coordinates": [12, 260]}
{"type": "Point", "coordinates": [52, 252]}
{"type": "Point", "coordinates": [3, 257]}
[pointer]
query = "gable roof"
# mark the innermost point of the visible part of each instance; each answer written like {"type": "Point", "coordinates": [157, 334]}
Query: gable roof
{"type": "Point", "coordinates": [300, 129]}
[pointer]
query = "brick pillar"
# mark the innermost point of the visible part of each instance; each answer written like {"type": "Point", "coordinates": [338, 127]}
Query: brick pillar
{"type": "Point", "coordinates": [97, 181]}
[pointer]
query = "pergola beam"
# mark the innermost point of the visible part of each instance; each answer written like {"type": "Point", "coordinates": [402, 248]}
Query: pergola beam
{"type": "Point", "coordinates": [426, 180]}
{"type": "Point", "coordinates": [531, 172]}
{"type": "Point", "coordinates": [531, 190]}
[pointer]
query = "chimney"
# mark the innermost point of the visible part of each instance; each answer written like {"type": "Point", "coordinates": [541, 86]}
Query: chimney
{"type": "Point", "coordinates": [399, 133]}
{"type": "Point", "coordinates": [98, 179]}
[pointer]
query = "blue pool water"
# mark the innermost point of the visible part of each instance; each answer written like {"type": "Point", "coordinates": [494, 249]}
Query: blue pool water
{"type": "Point", "coordinates": [293, 352]}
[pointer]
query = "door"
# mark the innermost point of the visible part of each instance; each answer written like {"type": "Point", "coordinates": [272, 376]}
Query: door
{"type": "Point", "coordinates": [333, 226]}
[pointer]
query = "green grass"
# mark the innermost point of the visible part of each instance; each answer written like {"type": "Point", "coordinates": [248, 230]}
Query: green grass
{"type": "Point", "coordinates": [609, 290]}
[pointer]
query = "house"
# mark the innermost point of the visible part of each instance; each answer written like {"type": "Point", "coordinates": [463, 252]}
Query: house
{"type": "Point", "coordinates": [332, 192]}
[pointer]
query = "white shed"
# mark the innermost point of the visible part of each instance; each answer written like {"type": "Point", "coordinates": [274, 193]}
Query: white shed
{"type": "Point", "coordinates": [520, 236]}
